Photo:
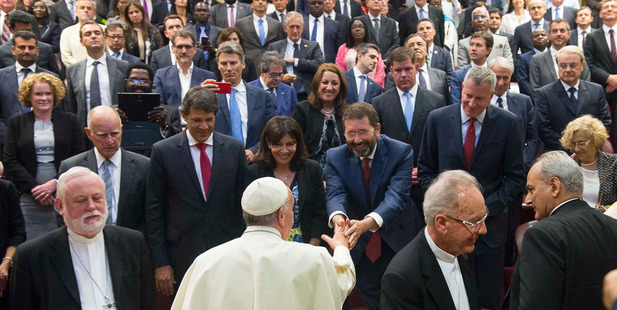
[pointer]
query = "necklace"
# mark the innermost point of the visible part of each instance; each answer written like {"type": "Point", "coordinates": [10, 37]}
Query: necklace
{"type": "Point", "coordinates": [285, 175]}
{"type": "Point", "coordinates": [327, 112]}
{"type": "Point", "coordinates": [591, 163]}
{"type": "Point", "coordinates": [108, 304]}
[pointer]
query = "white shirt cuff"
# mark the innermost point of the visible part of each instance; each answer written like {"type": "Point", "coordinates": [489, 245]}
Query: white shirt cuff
{"type": "Point", "coordinates": [332, 215]}
{"type": "Point", "coordinates": [377, 219]}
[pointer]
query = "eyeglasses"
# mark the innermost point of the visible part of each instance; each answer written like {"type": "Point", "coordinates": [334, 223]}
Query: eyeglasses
{"type": "Point", "coordinates": [479, 17]}
{"type": "Point", "coordinates": [185, 47]}
{"type": "Point", "coordinates": [136, 81]}
{"type": "Point", "coordinates": [580, 144]}
{"type": "Point", "coordinates": [275, 75]}
{"type": "Point", "coordinates": [362, 134]}
{"type": "Point", "coordinates": [118, 37]}
{"type": "Point", "coordinates": [474, 226]}
{"type": "Point", "coordinates": [565, 66]}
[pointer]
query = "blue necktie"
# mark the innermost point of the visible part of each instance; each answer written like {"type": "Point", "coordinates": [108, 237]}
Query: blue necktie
{"type": "Point", "coordinates": [109, 189]}
{"type": "Point", "coordinates": [408, 110]}
{"type": "Point", "coordinates": [421, 13]}
{"type": "Point", "coordinates": [556, 13]}
{"type": "Point", "coordinates": [262, 33]}
{"type": "Point", "coordinates": [314, 34]}
{"type": "Point", "coordinates": [362, 92]}
{"type": "Point", "coordinates": [536, 26]}
{"type": "Point", "coordinates": [345, 8]}
{"type": "Point", "coordinates": [573, 99]}
{"type": "Point", "coordinates": [116, 55]}
{"type": "Point", "coordinates": [236, 118]}
{"type": "Point", "coordinates": [203, 33]}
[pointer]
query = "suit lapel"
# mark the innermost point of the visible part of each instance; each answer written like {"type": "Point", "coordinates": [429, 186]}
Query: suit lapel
{"type": "Point", "coordinates": [184, 153]}
{"type": "Point", "coordinates": [174, 77]}
{"type": "Point", "coordinates": [435, 282]}
{"type": "Point", "coordinates": [562, 96]}
{"type": "Point", "coordinates": [127, 172]}
{"type": "Point", "coordinates": [63, 264]}
{"type": "Point", "coordinates": [354, 168]}
{"type": "Point", "coordinates": [250, 108]}
{"type": "Point", "coordinates": [380, 162]}
{"type": "Point", "coordinates": [111, 70]}
{"type": "Point", "coordinates": [418, 109]}
{"type": "Point", "coordinates": [455, 127]}
{"type": "Point", "coordinates": [223, 108]}
{"type": "Point", "coordinates": [548, 59]}
{"type": "Point", "coordinates": [582, 96]}
{"type": "Point", "coordinates": [485, 133]}
{"type": "Point", "coordinates": [116, 266]}
{"type": "Point", "coordinates": [469, 279]}
{"type": "Point", "coordinates": [398, 109]}
{"type": "Point", "coordinates": [81, 76]}
{"type": "Point", "coordinates": [217, 160]}
{"type": "Point", "coordinates": [352, 88]}
{"type": "Point", "coordinates": [11, 77]}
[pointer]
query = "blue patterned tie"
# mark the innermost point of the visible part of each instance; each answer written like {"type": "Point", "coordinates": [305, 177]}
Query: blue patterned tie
{"type": "Point", "coordinates": [408, 110]}
{"type": "Point", "coordinates": [421, 78]}
{"type": "Point", "coordinates": [116, 55]}
{"type": "Point", "coordinates": [345, 9]}
{"type": "Point", "coordinates": [262, 33]}
{"type": "Point", "coordinates": [573, 99]}
{"type": "Point", "coordinates": [362, 92]}
{"type": "Point", "coordinates": [236, 118]}
{"type": "Point", "coordinates": [556, 13]}
{"type": "Point", "coordinates": [314, 34]}
{"type": "Point", "coordinates": [109, 190]}
{"type": "Point", "coordinates": [421, 13]}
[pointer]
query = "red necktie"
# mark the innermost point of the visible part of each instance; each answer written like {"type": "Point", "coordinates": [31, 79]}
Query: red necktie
{"type": "Point", "coordinates": [6, 34]}
{"type": "Point", "coordinates": [373, 248]}
{"type": "Point", "coordinates": [206, 168]}
{"type": "Point", "coordinates": [613, 50]}
{"type": "Point", "coordinates": [470, 141]}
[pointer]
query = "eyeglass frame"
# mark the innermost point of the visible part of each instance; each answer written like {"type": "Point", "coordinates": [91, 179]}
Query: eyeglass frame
{"type": "Point", "coordinates": [580, 144]}
{"type": "Point", "coordinates": [475, 226]}
{"type": "Point", "coordinates": [361, 135]}
{"type": "Point", "coordinates": [139, 81]}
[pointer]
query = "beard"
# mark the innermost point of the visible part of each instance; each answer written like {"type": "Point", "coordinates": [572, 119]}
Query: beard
{"type": "Point", "coordinates": [80, 227]}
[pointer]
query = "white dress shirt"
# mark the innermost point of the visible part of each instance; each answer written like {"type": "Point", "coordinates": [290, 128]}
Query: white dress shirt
{"type": "Point", "coordinates": [425, 75]}
{"type": "Point", "coordinates": [331, 15]}
{"type": "Point", "coordinates": [320, 30]}
{"type": "Point", "coordinates": [171, 53]}
{"type": "Point", "coordinates": [566, 87]}
{"type": "Point", "coordinates": [256, 24]}
{"type": "Point", "coordinates": [278, 16]}
{"type": "Point", "coordinates": [554, 58]}
{"type": "Point", "coordinates": [185, 80]}
{"type": "Point", "coordinates": [561, 204]}
{"type": "Point", "coordinates": [91, 265]}
{"type": "Point", "coordinates": [104, 83]}
{"type": "Point", "coordinates": [403, 100]}
{"type": "Point", "coordinates": [150, 8]}
{"type": "Point", "coordinates": [477, 124]}
{"type": "Point", "coordinates": [111, 53]}
{"type": "Point", "coordinates": [242, 106]}
{"type": "Point", "coordinates": [235, 18]}
{"type": "Point", "coordinates": [591, 180]}
{"type": "Point", "coordinates": [21, 75]}
{"type": "Point", "coordinates": [115, 169]}
{"type": "Point", "coordinates": [196, 155]}
{"type": "Point", "coordinates": [561, 8]}
{"type": "Point", "coordinates": [371, 18]}
{"type": "Point", "coordinates": [289, 53]}
{"type": "Point", "coordinates": [607, 35]}
{"type": "Point", "coordinates": [358, 74]}
{"type": "Point", "coordinates": [342, 4]}
{"type": "Point", "coordinates": [579, 33]}
{"type": "Point", "coordinates": [504, 101]}
{"type": "Point", "coordinates": [425, 12]}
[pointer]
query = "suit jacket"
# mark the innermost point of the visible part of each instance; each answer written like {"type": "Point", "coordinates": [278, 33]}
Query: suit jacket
{"type": "Point", "coordinates": [61, 15]}
{"type": "Point", "coordinates": [286, 97]}
{"type": "Point", "coordinates": [161, 58]}
{"type": "Point", "coordinates": [132, 196]}
{"type": "Point", "coordinates": [76, 85]}
{"type": "Point", "coordinates": [46, 58]}
{"type": "Point", "coordinates": [167, 83]}
{"type": "Point", "coordinates": [568, 14]}
{"type": "Point", "coordinates": [390, 184]}
{"type": "Point", "coordinates": [50, 34]}
{"type": "Point", "coordinates": [219, 14]}
{"type": "Point", "coordinates": [129, 58]}
{"type": "Point", "coordinates": [456, 85]}
{"type": "Point", "coordinates": [522, 71]}
{"type": "Point", "coordinates": [333, 38]}
{"type": "Point", "coordinates": [343, 22]}
{"type": "Point", "coordinates": [522, 37]}
{"type": "Point", "coordinates": [523, 108]}
{"type": "Point", "coordinates": [12, 224]}
{"type": "Point", "coordinates": [48, 260]}
{"type": "Point", "coordinates": [311, 196]}
{"type": "Point", "coordinates": [180, 223]}
{"type": "Point", "coordinates": [252, 46]}
{"type": "Point", "coordinates": [414, 280]}
{"type": "Point", "coordinates": [372, 89]}
{"type": "Point", "coordinates": [159, 12]}
{"type": "Point", "coordinates": [261, 108]}
{"type": "Point", "coordinates": [388, 33]}
{"type": "Point", "coordinates": [212, 37]}
{"type": "Point", "coordinates": [598, 57]}
{"type": "Point", "coordinates": [497, 161]}
{"type": "Point", "coordinates": [354, 10]}
{"type": "Point", "coordinates": [437, 78]}
{"type": "Point", "coordinates": [562, 246]}
{"type": "Point", "coordinates": [408, 24]}
{"type": "Point", "coordinates": [310, 59]}
{"type": "Point", "coordinates": [501, 47]}
{"type": "Point", "coordinates": [442, 60]}
{"type": "Point", "coordinates": [555, 110]}
{"type": "Point", "coordinates": [542, 71]}
{"type": "Point", "coordinates": [20, 155]}
{"type": "Point", "coordinates": [278, 17]}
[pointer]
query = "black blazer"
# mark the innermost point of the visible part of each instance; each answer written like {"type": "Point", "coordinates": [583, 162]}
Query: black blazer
{"type": "Point", "coordinates": [311, 122]}
{"type": "Point", "coordinates": [522, 38]}
{"type": "Point", "coordinates": [414, 280]}
{"type": "Point", "coordinates": [47, 260]}
{"type": "Point", "coordinates": [132, 196]}
{"type": "Point", "coordinates": [20, 155]}
{"type": "Point", "coordinates": [161, 58]}
{"type": "Point", "coordinates": [523, 108]}
{"type": "Point", "coordinates": [50, 34]}
{"type": "Point", "coordinates": [354, 10]}
{"type": "Point", "coordinates": [12, 225]}
{"type": "Point", "coordinates": [61, 15]}
{"type": "Point", "coordinates": [311, 196]}
{"type": "Point", "coordinates": [408, 24]}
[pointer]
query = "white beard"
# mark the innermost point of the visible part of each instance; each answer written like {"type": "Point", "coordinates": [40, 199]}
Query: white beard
{"type": "Point", "coordinates": [80, 227]}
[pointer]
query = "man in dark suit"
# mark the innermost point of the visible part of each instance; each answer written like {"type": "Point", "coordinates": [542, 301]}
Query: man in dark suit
{"type": "Point", "coordinates": [565, 244]}
{"type": "Point", "coordinates": [583, 27]}
{"type": "Point", "coordinates": [280, 10]}
{"type": "Point", "coordinates": [437, 57]}
{"type": "Point", "coordinates": [202, 29]}
{"type": "Point", "coordinates": [259, 30]}
{"type": "Point", "coordinates": [60, 14]}
{"type": "Point", "coordinates": [559, 10]}
{"type": "Point", "coordinates": [322, 30]}
{"type": "Point", "coordinates": [433, 79]}
{"type": "Point", "coordinates": [522, 34]}
{"type": "Point", "coordinates": [233, 8]}
{"type": "Point", "coordinates": [18, 21]}
{"type": "Point", "coordinates": [115, 38]}
{"type": "Point", "coordinates": [480, 23]}
{"type": "Point", "coordinates": [160, 10]}
{"type": "Point", "coordinates": [408, 22]}
{"type": "Point", "coordinates": [494, 22]}
{"type": "Point", "coordinates": [348, 8]}
{"type": "Point", "coordinates": [425, 273]}
{"type": "Point", "coordinates": [567, 98]}
{"type": "Point", "coordinates": [343, 20]}
{"type": "Point", "coordinates": [485, 141]}
{"type": "Point", "coordinates": [128, 185]}
{"type": "Point", "coordinates": [168, 82]}
{"type": "Point", "coordinates": [271, 68]}
{"type": "Point", "coordinates": [83, 92]}
{"type": "Point", "coordinates": [480, 46]}
{"type": "Point", "coordinates": [403, 109]}
{"type": "Point", "coordinates": [164, 56]}
{"type": "Point", "coordinates": [367, 187]}
{"type": "Point", "coordinates": [359, 86]}
{"type": "Point", "coordinates": [382, 30]}
{"type": "Point", "coordinates": [539, 38]}
{"type": "Point", "coordinates": [199, 174]}
{"type": "Point", "coordinates": [85, 264]}
{"type": "Point", "coordinates": [302, 57]}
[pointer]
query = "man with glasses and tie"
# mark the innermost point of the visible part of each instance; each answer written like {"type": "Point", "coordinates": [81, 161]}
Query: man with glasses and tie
{"type": "Point", "coordinates": [271, 68]}
{"type": "Point", "coordinates": [367, 188]}
{"type": "Point", "coordinates": [484, 140]}
{"type": "Point", "coordinates": [115, 38]}
{"type": "Point", "coordinates": [454, 212]}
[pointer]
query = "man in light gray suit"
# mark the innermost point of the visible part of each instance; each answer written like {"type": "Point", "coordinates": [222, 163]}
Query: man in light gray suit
{"type": "Point", "coordinates": [85, 89]}
{"type": "Point", "coordinates": [221, 13]}
{"type": "Point", "coordinates": [543, 66]}
{"type": "Point", "coordinates": [501, 46]}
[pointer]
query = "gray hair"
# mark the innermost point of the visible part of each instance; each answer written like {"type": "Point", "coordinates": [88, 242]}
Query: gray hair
{"type": "Point", "coordinates": [479, 75]}
{"type": "Point", "coordinates": [443, 194]}
{"type": "Point", "coordinates": [571, 49]}
{"type": "Point", "coordinates": [93, 3]}
{"type": "Point", "coordinates": [199, 98]}
{"type": "Point", "coordinates": [293, 15]}
{"type": "Point", "coordinates": [230, 47]}
{"type": "Point", "coordinates": [480, 9]}
{"type": "Point", "coordinates": [364, 47]}
{"type": "Point", "coordinates": [271, 58]}
{"type": "Point", "coordinates": [502, 62]}
{"type": "Point", "coordinates": [73, 173]}
{"type": "Point", "coordinates": [557, 164]}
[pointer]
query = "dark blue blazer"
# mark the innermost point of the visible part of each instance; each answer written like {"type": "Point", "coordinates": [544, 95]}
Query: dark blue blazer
{"type": "Point", "coordinates": [372, 90]}
{"type": "Point", "coordinates": [456, 84]}
{"type": "Point", "coordinates": [167, 83]}
{"type": "Point", "coordinates": [159, 12]}
{"type": "Point", "coordinates": [286, 98]}
{"type": "Point", "coordinates": [522, 38]}
{"type": "Point", "coordinates": [442, 60]}
{"type": "Point", "coordinates": [390, 186]}
{"type": "Point", "coordinates": [333, 37]}
{"type": "Point", "coordinates": [555, 110]}
{"type": "Point", "coordinates": [302, 7]}
{"type": "Point", "coordinates": [522, 70]}
{"type": "Point", "coordinates": [354, 10]}
{"type": "Point", "coordinates": [260, 110]}
{"type": "Point", "coordinates": [50, 34]}
{"type": "Point", "coordinates": [523, 108]}
{"type": "Point", "coordinates": [129, 58]}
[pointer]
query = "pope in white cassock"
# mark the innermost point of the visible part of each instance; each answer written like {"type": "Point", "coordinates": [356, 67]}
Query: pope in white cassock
{"type": "Point", "coordinates": [260, 270]}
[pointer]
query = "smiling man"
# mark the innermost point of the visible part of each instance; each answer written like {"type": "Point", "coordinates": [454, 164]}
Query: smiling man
{"type": "Point", "coordinates": [359, 86]}
{"type": "Point", "coordinates": [84, 264]}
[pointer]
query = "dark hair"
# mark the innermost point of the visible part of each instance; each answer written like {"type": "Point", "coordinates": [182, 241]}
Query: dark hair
{"type": "Point", "coordinates": [89, 22]}
{"type": "Point", "coordinates": [339, 101]}
{"type": "Point", "coordinates": [426, 20]}
{"type": "Point", "coordinates": [413, 35]}
{"type": "Point", "coordinates": [359, 110]}
{"type": "Point", "coordinates": [402, 53]}
{"type": "Point", "coordinates": [495, 11]}
{"type": "Point", "coordinates": [270, 58]}
{"type": "Point", "coordinates": [559, 21]}
{"type": "Point", "coordinates": [189, 10]}
{"type": "Point", "coordinates": [22, 17]}
{"type": "Point", "coordinates": [511, 7]}
{"type": "Point", "coordinates": [144, 25]}
{"type": "Point", "coordinates": [225, 33]}
{"type": "Point", "coordinates": [113, 26]}
{"type": "Point", "coordinates": [171, 16]}
{"type": "Point", "coordinates": [23, 34]}
{"type": "Point", "coordinates": [140, 65]}
{"type": "Point", "coordinates": [185, 34]}
{"type": "Point", "coordinates": [349, 37]}
{"type": "Point", "coordinates": [199, 98]}
{"type": "Point", "coordinates": [275, 130]}
{"type": "Point", "coordinates": [47, 18]}
{"type": "Point", "coordinates": [488, 38]}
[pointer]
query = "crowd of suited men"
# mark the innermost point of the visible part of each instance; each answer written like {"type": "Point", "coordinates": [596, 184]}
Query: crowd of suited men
{"type": "Point", "coordinates": [357, 106]}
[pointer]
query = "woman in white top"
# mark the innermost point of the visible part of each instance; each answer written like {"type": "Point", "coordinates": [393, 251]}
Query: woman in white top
{"type": "Point", "coordinates": [516, 15]}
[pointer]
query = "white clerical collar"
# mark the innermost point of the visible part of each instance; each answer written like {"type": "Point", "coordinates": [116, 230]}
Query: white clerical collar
{"type": "Point", "coordinates": [439, 253]}
{"type": "Point", "coordinates": [83, 240]}
{"type": "Point", "coordinates": [561, 204]}
{"type": "Point", "coordinates": [116, 159]}
{"type": "Point", "coordinates": [267, 229]}
{"type": "Point", "coordinates": [192, 140]}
